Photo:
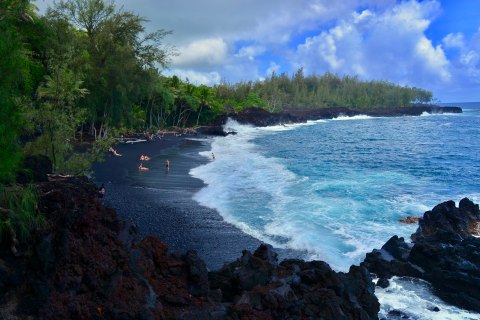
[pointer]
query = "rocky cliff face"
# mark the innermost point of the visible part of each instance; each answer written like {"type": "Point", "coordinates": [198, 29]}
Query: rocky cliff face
{"type": "Point", "coordinates": [445, 252]}
{"type": "Point", "coordinates": [87, 264]}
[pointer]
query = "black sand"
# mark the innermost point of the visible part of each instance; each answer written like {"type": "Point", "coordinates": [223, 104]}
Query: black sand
{"type": "Point", "coordinates": [160, 202]}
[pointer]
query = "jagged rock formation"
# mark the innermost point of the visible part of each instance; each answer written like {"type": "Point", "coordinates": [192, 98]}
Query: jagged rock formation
{"type": "Point", "coordinates": [257, 287]}
{"type": "Point", "coordinates": [445, 252]}
{"type": "Point", "coordinates": [86, 264]}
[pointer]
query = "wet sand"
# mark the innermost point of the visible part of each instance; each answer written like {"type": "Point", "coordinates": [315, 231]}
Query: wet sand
{"type": "Point", "coordinates": [160, 202]}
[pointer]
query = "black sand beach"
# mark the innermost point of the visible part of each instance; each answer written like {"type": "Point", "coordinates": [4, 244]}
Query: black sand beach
{"type": "Point", "coordinates": [160, 202]}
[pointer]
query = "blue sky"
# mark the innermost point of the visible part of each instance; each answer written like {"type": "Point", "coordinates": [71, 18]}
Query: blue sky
{"type": "Point", "coordinates": [432, 44]}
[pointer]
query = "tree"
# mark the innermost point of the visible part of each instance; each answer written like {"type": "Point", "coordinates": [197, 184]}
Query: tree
{"type": "Point", "coordinates": [121, 58]}
{"type": "Point", "coordinates": [58, 116]}
{"type": "Point", "coordinates": [205, 95]}
{"type": "Point", "coordinates": [14, 81]}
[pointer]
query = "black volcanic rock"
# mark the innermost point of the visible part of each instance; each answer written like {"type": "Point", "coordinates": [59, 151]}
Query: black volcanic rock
{"type": "Point", "coordinates": [84, 264]}
{"type": "Point", "coordinates": [446, 223]}
{"type": "Point", "coordinates": [261, 117]}
{"type": "Point", "coordinates": [255, 287]}
{"type": "Point", "coordinates": [445, 252]}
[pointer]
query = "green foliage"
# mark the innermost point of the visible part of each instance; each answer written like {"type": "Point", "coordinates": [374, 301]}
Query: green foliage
{"type": "Point", "coordinates": [252, 100]}
{"type": "Point", "coordinates": [20, 216]}
{"type": "Point", "coordinates": [14, 81]}
{"type": "Point", "coordinates": [299, 91]}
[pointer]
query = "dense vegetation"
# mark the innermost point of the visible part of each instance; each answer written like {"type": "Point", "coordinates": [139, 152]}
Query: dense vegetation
{"type": "Point", "coordinates": [280, 92]}
{"type": "Point", "coordinates": [88, 70]}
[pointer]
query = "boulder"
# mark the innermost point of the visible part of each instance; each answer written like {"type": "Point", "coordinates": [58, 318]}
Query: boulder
{"type": "Point", "coordinates": [409, 220]}
{"type": "Point", "coordinates": [445, 252]}
{"type": "Point", "coordinates": [445, 222]}
{"type": "Point", "coordinates": [257, 287]}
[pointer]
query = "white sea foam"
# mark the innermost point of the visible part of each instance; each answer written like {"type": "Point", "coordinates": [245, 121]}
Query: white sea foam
{"type": "Point", "coordinates": [333, 229]}
{"type": "Point", "coordinates": [414, 298]}
{"type": "Point", "coordinates": [310, 205]}
{"type": "Point", "coordinates": [357, 117]}
{"type": "Point", "coordinates": [427, 114]}
{"type": "Point", "coordinates": [331, 217]}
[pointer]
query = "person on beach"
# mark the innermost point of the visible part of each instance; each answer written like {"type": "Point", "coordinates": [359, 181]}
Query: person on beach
{"type": "Point", "coordinates": [167, 164]}
{"type": "Point", "coordinates": [144, 158]}
{"type": "Point", "coordinates": [142, 168]}
{"type": "Point", "coordinates": [213, 156]}
{"type": "Point", "coordinates": [101, 191]}
{"type": "Point", "coordinates": [114, 152]}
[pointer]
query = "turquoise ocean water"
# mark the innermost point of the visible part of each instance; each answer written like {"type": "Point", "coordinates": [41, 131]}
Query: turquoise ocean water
{"type": "Point", "coordinates": [335, 189]}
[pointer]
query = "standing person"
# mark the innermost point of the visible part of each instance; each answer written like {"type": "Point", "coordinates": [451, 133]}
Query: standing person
{"type": "Point", "coordinates": [101, 191]}
{"type": "Point", "coordinates": [167, 164]}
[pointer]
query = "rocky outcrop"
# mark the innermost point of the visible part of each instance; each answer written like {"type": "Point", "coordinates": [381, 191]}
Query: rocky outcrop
{"type": "Point", "coordinates": [409, 220]}
{"type": "Point", "coordinates": [257, 287]}
{"type": "Point", "coordinates": [85, 263]}
{"type": "Point", "coordinates": [445, 252]}
{"type": "Point", "coordinates": [262, 118]}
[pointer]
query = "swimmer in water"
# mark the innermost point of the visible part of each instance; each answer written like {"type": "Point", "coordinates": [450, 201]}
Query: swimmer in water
{"type": "Point", "coordinates": [213, 156]}
{"type": "Point", "coordinates": [142, 168]}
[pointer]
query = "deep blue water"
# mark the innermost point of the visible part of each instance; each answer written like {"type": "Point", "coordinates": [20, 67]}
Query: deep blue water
{"type": "Point", "coordinates": [336, 189]}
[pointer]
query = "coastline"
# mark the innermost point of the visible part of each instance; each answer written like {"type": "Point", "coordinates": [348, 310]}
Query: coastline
{"type": "Point", "coordinates": [161, 204]}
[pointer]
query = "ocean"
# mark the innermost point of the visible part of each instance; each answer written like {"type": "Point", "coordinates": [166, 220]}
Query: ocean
{"type": "Point", "coordinates": [335, 189]}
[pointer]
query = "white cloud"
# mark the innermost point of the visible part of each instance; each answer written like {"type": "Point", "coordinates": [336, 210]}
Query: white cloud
{"type": "Point", "coordinates": [454, 40]}
{"type": "Point", "coordinates": [202, 52]}
{"type": "Point", "coordinates": [465, 58]}
{"type": "Point", "coordinates": [250, 52]}
{"type": "Point", "coordinates": [195, 77]}
{"type": "Point", "coordinates": [389, 45]}
{"type": "Point", "coordinates": [273, 68]}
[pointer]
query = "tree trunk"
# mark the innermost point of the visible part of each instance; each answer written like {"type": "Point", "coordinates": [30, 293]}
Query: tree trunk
{"type": "Point", "coordinates": [199, 112]}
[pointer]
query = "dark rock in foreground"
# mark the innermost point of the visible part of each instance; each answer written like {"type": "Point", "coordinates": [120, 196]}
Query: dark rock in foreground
{"type": "Point", "coordinates": [445, 252]}
{"type": "Point", "coordinates": [256, 287]}
{"type": "Point", "coordinates": [86, 264]}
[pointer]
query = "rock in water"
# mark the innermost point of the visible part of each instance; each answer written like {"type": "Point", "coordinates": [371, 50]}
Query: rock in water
{"type": "Point", "coordinates": [409, 220]}
{"type": "Point", "coordinates": [445, 252]}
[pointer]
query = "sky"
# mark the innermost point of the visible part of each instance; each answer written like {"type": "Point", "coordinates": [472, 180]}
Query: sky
{"type": "Point", "coordinates": [431, 44]}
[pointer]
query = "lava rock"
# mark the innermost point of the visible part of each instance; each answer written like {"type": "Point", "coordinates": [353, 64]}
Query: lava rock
{"type": "Point", "coordinates": [445, 252]}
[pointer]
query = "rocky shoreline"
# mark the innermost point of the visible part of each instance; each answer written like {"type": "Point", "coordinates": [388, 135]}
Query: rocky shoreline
{"type": "Point", "coordinates": [86, 263]}
{"type": "Point", "coordinates": [445, 251]}
{"type": "Point", "coordinates": [262, 118]}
